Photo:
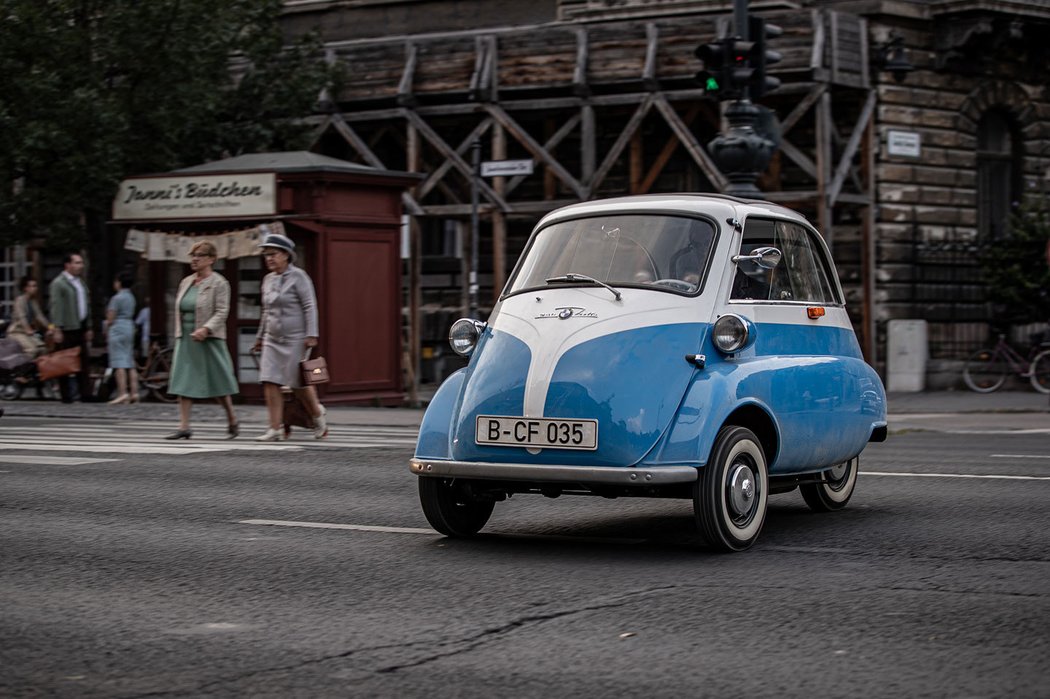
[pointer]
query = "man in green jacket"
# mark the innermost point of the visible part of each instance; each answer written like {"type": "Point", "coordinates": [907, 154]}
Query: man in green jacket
{"type": "Point", "coordinates": [69, 306]}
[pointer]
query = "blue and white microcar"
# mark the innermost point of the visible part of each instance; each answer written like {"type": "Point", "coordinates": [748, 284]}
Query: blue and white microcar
{"type": "Point", "coordinates": [692, 346]}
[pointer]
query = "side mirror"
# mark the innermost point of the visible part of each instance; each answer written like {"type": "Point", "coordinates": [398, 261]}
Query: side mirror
{"type": "Point", "coordinates": [764, 258]}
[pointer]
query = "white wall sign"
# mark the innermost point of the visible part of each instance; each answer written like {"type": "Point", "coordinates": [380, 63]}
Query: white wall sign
{"type": "Point", "coordinates": [505, 168]}
{"type": "Point", "coordinates": [196, 196]}
{"type": "Point", "coordinates": [903, 143]}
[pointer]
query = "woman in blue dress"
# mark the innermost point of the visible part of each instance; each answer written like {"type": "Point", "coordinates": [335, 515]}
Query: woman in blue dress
{"type": "Point", "coordinates": [120, 338]}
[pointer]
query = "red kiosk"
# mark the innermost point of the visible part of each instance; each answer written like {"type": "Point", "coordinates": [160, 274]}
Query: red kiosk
{"type": "Point", "coordinates": [346, 222]}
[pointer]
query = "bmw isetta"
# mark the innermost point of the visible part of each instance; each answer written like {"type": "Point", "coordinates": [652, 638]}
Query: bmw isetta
{"type": "Point", "coordinates": [692, 346]}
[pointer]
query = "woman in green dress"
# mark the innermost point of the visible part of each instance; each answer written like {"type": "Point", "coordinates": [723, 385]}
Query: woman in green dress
{"type": "Point", "coordinates": [201, 366]}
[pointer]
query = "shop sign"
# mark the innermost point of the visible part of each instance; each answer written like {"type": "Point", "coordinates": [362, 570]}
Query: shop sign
{"type": "Point", "coordinates": [196, 196]}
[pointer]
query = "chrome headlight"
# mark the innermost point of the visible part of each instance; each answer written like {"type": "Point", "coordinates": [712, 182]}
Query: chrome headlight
{"type": "Point", "coordinates": [464, 334]}
{"type": "Point", "coordinates": [730, 333]}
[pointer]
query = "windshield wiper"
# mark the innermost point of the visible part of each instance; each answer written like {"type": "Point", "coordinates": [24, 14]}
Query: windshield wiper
{"type": "Point", "coordinates": [574, 277]}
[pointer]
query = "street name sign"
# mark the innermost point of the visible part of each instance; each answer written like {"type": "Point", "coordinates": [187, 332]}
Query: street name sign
{"type": "Point", "coordinates": [506, 168]}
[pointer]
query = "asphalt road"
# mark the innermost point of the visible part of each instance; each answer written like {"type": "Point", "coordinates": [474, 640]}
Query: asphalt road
{"type": "Point", "coordinates": [151, 574]}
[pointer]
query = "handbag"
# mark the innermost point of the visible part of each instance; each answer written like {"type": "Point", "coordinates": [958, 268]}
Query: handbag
{"type": "Point", "coordinates": [60, 363]}
{"type": "Point", "coordinates": [314, 371]}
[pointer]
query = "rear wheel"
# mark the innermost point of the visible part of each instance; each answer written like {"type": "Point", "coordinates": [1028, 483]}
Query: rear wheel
{"type": "Point", "coordinates": [729, 498]}
{"type": "Point", "coordinates": [985, 371]}
{"type": "Point", "coordinates": [1040, 377]}
{"type": "Point", "coordinates": [156, 376]}
{"type": "Point", "coordinates": [451, 508]}
{"type": "Point", "coordinates": [836, 488]}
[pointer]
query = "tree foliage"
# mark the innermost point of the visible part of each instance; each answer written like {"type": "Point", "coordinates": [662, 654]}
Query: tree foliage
{"type": "Point", "coordinates": [92, 91]}
{"type": "Point", "coordinates": [1017, 270]}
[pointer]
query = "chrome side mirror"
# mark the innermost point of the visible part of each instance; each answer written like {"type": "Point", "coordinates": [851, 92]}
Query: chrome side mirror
{"type": "Point", "coordinates": [765, 258]}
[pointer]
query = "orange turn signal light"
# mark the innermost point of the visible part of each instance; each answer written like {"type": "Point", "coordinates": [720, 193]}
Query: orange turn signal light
{"type": "Point", "coordinates": [815, 312]}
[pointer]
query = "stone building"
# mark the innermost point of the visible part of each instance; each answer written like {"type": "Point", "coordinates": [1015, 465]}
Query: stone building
{"type": "Point", "coordinates": [907, 174]}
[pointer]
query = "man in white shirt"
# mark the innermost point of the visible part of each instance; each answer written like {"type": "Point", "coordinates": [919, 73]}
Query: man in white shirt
{"type": "Point", "coordinates": [70, 310]}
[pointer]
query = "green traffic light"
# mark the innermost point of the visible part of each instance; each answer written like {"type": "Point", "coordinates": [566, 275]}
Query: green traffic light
{"type": "Point", "coordinates": [711, 85]}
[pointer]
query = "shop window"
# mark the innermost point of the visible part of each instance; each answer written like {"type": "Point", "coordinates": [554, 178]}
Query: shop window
{"type": "Point", "coordinates": [998, 173]}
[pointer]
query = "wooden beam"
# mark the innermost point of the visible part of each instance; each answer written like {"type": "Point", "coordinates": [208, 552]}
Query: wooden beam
{"type": "Point", "coordinates": [457, 161]}
{"type": "Point", "coordinates": [799, 158]}
{"type": "Point", "coordinates": [621, 141]}
{"type": "Point", "coordinates": [358, 144]}
{"type": "Point", "coordinates": [816, 56]}
{"type": "Point", "coordinates": [499, 222]}
{"type": "Point", "coordinates": [700, 156]}
{"type": "Point", "coordinates": [537, 151]}
{"type": "Point", "coordinates": [405, 95]}
{"type": "Point", "coordinates": [823, 137]}
{"type": "Point", "coordinates": [802, 107]}
{"type": "Point", "coordinates": [652, 36]}
{"type": "Point", "coordinates": [851, 148]}
{"type": "Point", "coordinates": [550, 144]}
{"type": "Point", "coordinates": [415, 276]}
{"type": "Point", "coordinates": [635, 163]}
{"type": "Point", "coordinates": [665, 154]}
{"type": "Point", "coordinates": [868, 252]}
{"type": "Point", "coordinates": [319, 131]}
{"type": "Point", "coordinates": [579, 74]}
{"type": "Point", "coordinates": [588, 143]}
{"type": "Point", "coordinates": [439, 172]}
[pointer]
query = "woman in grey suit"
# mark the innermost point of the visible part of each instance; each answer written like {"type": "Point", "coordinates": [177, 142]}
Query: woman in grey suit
{"type": "Point", "coordinates": [201, 366]}
{"type": "Point", "coordinates": [287, 333]}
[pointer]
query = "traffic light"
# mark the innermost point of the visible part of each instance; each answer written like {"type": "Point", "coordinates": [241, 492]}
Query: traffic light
{"type": "Point", "coordinates": [761, 58]}
{"type": "Point", "coordinates": [740, 64]}
{"type": "Point", "coordinates": [713, 78]}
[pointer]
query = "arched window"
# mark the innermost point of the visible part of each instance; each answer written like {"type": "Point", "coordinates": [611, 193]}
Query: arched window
{"type": "Point", "coordinates": [998, 173]}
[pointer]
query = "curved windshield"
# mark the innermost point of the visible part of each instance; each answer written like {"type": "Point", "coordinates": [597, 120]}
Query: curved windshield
{"type": "Point", "coordinates": [656, 251]}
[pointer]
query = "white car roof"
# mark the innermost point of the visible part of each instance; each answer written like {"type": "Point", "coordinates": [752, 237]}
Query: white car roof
{"type": "Point", "coordinates": [719, 206]}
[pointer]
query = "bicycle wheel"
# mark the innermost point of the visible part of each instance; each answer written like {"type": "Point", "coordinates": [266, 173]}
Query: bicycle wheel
{"type": "Point", "coordinates": [156, 376]}
{"type": "Point", "coordinates": [1040, 376]}
{"type": "Point", "coordinates": [985, 371]}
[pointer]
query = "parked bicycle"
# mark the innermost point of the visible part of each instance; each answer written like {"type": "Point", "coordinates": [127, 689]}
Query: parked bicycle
{"type": "Point", "coordinates": [987, 370]}
{"type": "Point", "coordinates": [155, 372]}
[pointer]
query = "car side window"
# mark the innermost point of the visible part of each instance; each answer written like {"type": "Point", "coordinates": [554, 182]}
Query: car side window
{"type": "Point", "coordinates": [801, 275]}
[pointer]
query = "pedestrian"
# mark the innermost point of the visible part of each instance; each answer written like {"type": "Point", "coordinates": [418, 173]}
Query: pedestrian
{"type": "Point", "coordinates": [70, 309]}
{"type": "Point", "coordinates": [29, 326]}
{"type": "Point", "coordinates": [287, 333]}
{"type": "Point", "coordinates": [142, 325]}
{"type": "Point", "coordinates": [201, 366]}
{"type": "Point", "coordinates": [120, 339]}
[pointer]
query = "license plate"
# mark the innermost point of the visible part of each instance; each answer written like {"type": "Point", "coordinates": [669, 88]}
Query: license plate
{"type": "Point", "coordinates": [548, 433]}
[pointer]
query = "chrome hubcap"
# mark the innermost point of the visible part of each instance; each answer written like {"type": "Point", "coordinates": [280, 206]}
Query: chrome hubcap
{"type": "Point", "coordinates": [837, 475]}
{"type": "Point", "coordinates": [741, 490]}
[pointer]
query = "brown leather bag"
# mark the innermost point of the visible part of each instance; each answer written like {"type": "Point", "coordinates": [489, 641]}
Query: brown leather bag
{"type": "Point", "coordinates": [60, 363]}
{"type": "Point", "coordinates": [314, 371]}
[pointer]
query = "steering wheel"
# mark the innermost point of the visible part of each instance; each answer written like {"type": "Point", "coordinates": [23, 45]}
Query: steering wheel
{"type": "Point", "coordinates": [677, 284]}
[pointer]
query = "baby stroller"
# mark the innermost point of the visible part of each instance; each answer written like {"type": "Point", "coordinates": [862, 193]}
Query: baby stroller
{"type": "Point", "coordinates": [17, 370]}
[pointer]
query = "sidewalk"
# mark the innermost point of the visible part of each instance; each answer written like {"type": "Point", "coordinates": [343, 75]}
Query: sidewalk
{"type": "Point", "coordinates": [940, 410]}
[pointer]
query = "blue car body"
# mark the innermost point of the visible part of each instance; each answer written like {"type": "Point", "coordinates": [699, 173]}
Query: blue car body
{"type": "Point", "coordinates": [641, 360]}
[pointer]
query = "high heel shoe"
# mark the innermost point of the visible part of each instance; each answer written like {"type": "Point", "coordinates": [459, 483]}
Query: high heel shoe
{"type": "Point", "coordinates": [232, 430]}
{"type": "Point", "coordinates": [180, 434]}
{"type": "Point", "coordinates": [125, 398]}
{"type": "Point", "coordinates": [271, 435]}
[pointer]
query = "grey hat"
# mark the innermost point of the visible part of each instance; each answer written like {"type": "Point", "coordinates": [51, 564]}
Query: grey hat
{"type": "Point", "coordinates": [281, 242]}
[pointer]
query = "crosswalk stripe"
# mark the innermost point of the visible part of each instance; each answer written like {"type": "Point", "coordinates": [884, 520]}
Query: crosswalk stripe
{"type": "Point", "coordinates": [146, 437]}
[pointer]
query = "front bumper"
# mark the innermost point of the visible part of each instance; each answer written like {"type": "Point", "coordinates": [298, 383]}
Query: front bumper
{"type": "Point", "coordinates": [604, 475]}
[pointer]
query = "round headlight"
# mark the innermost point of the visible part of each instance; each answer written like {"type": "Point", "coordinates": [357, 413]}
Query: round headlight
{"type": "Point", "coordinates": [730, 333]}
{"type": "Point", "coordinates": [464, 335]}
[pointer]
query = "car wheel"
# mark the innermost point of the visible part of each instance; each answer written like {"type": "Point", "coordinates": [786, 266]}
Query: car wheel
{"type": "Point", "coordinates": [451, 509]}
{"type": "Point", "coordinates": [835, 490]}
{"type": "Point", "coordinates": [729, 498]}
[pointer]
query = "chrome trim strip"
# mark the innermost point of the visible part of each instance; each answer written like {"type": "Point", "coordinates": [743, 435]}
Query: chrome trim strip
{"type": "Point", "coordinates": [607, 475]}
